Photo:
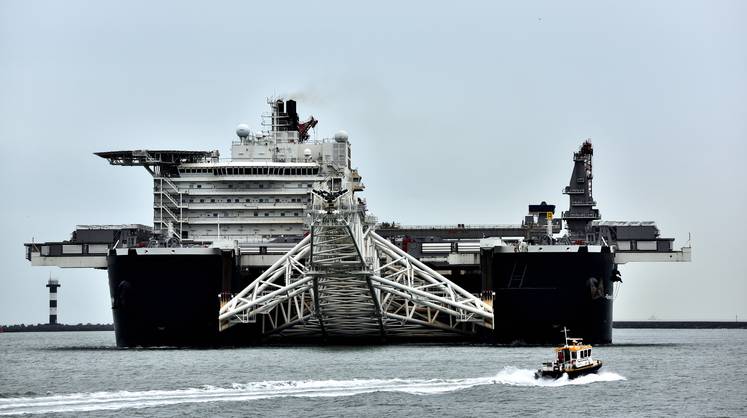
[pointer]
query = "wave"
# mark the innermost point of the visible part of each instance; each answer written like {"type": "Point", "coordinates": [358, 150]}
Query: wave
{"type": "Point", "coordinates": [95, 401]}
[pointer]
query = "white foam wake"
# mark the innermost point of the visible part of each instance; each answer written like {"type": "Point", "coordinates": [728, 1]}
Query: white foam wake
{"type": "Point", "coordinates": [95, 401]}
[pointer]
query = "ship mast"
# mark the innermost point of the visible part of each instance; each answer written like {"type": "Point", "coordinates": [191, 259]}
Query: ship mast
{"type": "Point", "coordinates": [581, 211]}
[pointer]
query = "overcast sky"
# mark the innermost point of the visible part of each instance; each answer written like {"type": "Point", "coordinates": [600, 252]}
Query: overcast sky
{"type": "Point", "coordinates": [457, 113]}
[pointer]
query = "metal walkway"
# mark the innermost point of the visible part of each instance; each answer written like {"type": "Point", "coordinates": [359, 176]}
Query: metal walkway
{"type": "Point", "coordinates": [345, 281]}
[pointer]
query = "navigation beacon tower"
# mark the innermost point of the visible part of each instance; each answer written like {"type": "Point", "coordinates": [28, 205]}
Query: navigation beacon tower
{"type": "Point", "coordinates": [53, 284]}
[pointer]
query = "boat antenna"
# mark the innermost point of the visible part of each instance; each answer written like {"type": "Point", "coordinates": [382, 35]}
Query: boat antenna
{"type": "Point", "coordinates": [565, 333]}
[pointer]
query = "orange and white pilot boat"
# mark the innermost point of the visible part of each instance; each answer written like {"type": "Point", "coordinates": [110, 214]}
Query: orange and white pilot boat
{"type": "Point", "coordinates": [572, 358]}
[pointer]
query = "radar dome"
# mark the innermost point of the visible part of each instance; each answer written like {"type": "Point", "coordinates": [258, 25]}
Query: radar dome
{"type": "Point", "coordinates": [341, 136]}
{"type": "Point", "coordinates": [242, 130]}
{"type": "Point", "coordinates": [307, 153]}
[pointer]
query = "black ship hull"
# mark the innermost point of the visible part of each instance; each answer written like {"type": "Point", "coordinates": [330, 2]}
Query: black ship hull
{"type": "Point", "coordinates": [173, 299]}
{"type": "Point", "coordinates": [539, 293]}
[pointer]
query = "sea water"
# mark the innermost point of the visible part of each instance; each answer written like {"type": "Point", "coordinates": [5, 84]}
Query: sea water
{"type": "Point", "coordinates": [646, 373]}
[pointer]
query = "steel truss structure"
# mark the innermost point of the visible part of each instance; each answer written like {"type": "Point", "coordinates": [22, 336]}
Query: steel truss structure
{"type": "Point", "coordinates": [342, 281]}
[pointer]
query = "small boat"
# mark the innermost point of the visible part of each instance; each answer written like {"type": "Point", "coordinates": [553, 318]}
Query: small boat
{"type": "Point", "coordinates": [573, 358]}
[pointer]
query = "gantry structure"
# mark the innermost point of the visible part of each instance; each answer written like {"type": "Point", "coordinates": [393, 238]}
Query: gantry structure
{"type": "Point", "coordinates": [344, 281]}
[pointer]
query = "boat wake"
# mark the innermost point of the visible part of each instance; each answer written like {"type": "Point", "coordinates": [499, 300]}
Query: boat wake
{"type": "Point", "coordinates": [95, 401]}
{"type": "Point", "coordinates": [525, 377]}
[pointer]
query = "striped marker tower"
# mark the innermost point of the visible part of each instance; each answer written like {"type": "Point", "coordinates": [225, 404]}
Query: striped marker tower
{"type": "Point", "coordinates": [53, 284]}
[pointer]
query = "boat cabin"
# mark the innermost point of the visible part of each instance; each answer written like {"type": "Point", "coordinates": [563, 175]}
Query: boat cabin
{"type": "Point", "coordinates": [573, 354]}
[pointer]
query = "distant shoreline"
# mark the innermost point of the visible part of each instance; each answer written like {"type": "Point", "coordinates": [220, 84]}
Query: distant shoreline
{"type": "Point", "coordinates": [681, 324]}
{"type": "Point", "coordinates": [616, 324]}
{"type": "Point", "coordinates": [56, 327]}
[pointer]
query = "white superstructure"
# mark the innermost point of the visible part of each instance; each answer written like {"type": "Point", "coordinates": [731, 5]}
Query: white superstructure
{"type": "Point", "coordinates": [260, 194]}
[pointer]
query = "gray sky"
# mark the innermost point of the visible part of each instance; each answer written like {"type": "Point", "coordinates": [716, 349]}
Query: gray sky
{"type": "Point", "coordinates": [458, 113]}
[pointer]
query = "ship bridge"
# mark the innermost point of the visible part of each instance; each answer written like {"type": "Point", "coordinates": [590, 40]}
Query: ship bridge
{"type": "Point", "coordinates": [344, 281]}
